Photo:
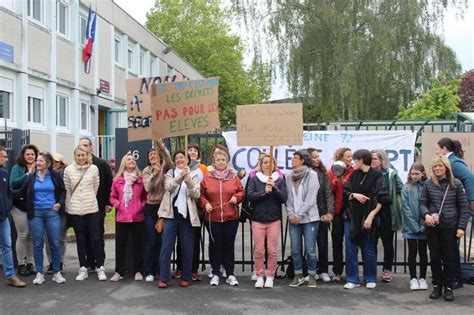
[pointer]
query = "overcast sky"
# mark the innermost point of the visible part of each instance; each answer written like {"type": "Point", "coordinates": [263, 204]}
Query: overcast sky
{"type": "Point", "coordinates": [458, 33]}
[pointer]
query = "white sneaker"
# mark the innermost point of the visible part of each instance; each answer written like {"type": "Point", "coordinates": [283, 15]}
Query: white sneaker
{"type": "Point", "coordinates": [423, 284]}
{"type": "Point", "coordinates": [101, 274]}
{"type": "Point", "coordinates": [370, 285]}
{"type": "Point", "coordinates": [58, 278]}
{"type": "Point", "coordinates": [254, 276]}
{"type": "Point", "coordinates": [232, 280]}
{"type": "Point", "coordinates": [149, 278]}
{"type": "Point", "coordinates": [259, 283]}
{"type": "Point", "coordinates": [414, 285]}
{"type": "Point", "coordinates": [214, 280]}
{"type": "Point", "coordinates": [138, 276]}
{"type": "Point", "coordinates": [350, 285]}
{"type": "Point", "coordinates": [325, 277]}
{"type": "Point", "coordinates": [210, 273]}
{"type": "Point", "coordinates": [39, 278]}
{"type": "Point", "coordinates": [116, 277]}
{"type": "Point", "coordinates": [269, 282]}
{"type": "Point", "coordinates": [82, 274]}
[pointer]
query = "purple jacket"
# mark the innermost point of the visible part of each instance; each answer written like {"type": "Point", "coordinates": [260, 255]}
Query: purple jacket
{"type": "Point", "coordinates": [134, 212]}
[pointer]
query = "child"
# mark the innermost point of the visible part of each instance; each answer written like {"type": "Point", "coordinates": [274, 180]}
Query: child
{"type": "Point", "coordinates": [413, 228]}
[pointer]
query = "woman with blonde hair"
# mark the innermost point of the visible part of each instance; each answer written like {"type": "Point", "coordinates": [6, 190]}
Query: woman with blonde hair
{"type": "Point", "coordinates": [444, 206]}
{"type": "Point", "coordinates": [128, 196]}
{"type": "Point", "coordinates": [81, 180]}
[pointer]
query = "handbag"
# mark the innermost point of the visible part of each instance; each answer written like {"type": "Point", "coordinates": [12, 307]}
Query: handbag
{"type": "Point", "coordinates": [436, 215]}
{"type": "Point", "coordinates": [159, 225]}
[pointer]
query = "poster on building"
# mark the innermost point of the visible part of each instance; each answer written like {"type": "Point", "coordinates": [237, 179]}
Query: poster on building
{"type": "Point", "coordinates": [139, 105]}
{"type": "Point", "coordinates": [270, 124]}
{"type": "Point", "coordinates": [183, 108]}
{"type": "Point", "coordinates": [429, 141]}
{"type": "Point", "coordinates": [399, 145]}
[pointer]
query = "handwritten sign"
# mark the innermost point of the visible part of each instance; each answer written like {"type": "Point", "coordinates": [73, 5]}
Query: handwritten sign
{"type": "Point", "coordinates": [139, 105]}
{"type": "Point", "coordinates": [183, 108]}
{"type": "Point", "coordinates": [270, 124]}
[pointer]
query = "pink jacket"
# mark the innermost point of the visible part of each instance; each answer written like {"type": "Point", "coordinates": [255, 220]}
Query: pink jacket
{"type": "Point", "coordinates": [134, 212]}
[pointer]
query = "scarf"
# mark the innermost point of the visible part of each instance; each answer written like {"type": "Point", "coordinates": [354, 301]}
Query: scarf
{"type": "Point", "coordinates": [181, 195]}
{"type": "Point", "coordinates": [221, 174]}
{"type": "Point", "coordinates": [130, 178]}
{"type": "Point", "coordinates": [297, 176]}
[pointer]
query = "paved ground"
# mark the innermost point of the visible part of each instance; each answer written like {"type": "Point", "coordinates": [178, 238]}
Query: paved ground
{"type": "Point", "coordinates": [130, 297]}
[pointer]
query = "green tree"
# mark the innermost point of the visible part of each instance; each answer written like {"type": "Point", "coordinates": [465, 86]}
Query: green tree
{"type": "Point", "coordinates": [439, 102]}
{"type": "Point", "coordinates": [356, 59]}
{"type": "Point", "coordinates": [198, 30]}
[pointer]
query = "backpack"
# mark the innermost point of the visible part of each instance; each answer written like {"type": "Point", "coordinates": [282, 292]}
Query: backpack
{"type": "Point", "coordinates": [290, 269]}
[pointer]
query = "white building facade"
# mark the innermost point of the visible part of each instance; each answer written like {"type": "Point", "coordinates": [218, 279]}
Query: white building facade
{"type": "Point", "coordinates": [43, 84]}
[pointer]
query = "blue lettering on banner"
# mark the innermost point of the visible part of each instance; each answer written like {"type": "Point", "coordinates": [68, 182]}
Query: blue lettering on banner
{"type": "Point", "coordinates": [7, 52]}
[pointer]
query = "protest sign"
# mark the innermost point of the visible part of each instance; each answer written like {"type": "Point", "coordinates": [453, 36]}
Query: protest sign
{"type": "Point", "coordinates": [183, 108]}
{"type": "Point", "coordinates": [270, 124]}
{"type": "Point", "coordinates": [139, 105]}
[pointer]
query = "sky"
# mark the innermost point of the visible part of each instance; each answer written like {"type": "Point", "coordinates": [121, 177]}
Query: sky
{"type": "Point", "coordinates": [458, 34]}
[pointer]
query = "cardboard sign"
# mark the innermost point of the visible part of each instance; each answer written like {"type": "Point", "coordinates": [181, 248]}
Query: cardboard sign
{"type": "Point", "coordinates": [429, 142]}
{"type": "Point", "coordinates": [139, 105]}
{"type": "Point", "coordinates": [270, 124]}
{"type": "Point", "coordinates": [184, 108]}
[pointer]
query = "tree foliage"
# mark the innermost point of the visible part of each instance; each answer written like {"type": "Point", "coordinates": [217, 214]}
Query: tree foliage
{"type": "Point", "coordinates": [198, 31]}
{"type": "Point", "coordinates": [439, 102]}
{"type": "Point", "coordinates": [466, 92]}
{"type": "Point", "coordinates": [356, 59]}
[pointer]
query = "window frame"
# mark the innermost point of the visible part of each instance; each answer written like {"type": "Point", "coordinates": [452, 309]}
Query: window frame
{"type": "Point", "coordinates": [88, 114]}
{"type": "Point", "coordinates": [66, 18]}
{"type": "Point", "coordinates": [58, 111]}
{"type": "Point", "coordinates": [10, 106]}
{"type": "Point", "coordinates": [117, 52]}
{"type": "Point", "coordinates": [82, 35]}
{"type": "Point", "coordinates": [31, 112]}
{"type": "Point", "coordinates": [30, 11]}
{"type": "Point", "coordinates": [130, 55]}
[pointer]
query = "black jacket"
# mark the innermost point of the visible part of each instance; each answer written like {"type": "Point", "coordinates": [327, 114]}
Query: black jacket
{"type": "Point", "coordinates": [27, 191]}
{"type": "Point", "coordinates": [5, 194]}
{"type": "Point", "coordinates": [105, 184]}
{"type": "Point", "coordinates": [266, 207]}
{"type": "Point", "coordinates": [455, 213]}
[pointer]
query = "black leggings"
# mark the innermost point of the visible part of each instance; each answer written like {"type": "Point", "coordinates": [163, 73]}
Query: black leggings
{"type": "Point", "coordinates": [419, 246]}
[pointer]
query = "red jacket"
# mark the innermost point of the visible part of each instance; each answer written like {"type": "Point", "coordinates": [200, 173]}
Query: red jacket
{"type": "Point", "coordinates": [134, 212]}
{"type": "Point", "coordinates": [337, 188]}
{"type": "Point", "coordinates": [218, 192]}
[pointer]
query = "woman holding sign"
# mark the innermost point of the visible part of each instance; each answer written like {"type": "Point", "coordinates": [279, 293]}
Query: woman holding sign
{"type": "Point", "coordinates": [221, 192]}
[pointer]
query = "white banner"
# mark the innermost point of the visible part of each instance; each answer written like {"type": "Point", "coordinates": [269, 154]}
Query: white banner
{"type": "Point", "coordinates": [399, 146]}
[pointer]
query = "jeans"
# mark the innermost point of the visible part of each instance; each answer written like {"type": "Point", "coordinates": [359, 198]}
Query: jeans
{"type": "Point", "coordinates": [152, 247]}
{"type": "Point", "coordinates": [196, 251]}
{"type": "Point", "coordinates": [122, 230]}
{"type": "Point", "coordinates": [322, 240]}
{"type": "Point", "coordinates": [309, 232]}
{"type": "Point", "coordinates": [352, 261]}
{"type": "Point", "coordinates": [441, 243]}
{"type": "Point", "coordinates": [222, 245]}
{"type": "Point", "coordinates": [269, 232]}
{"type": "Point", "coordinates": [63, 237]}
{"type": "Point", "coordinates": [90, 248]}
{"type": "Point", "coordinates": [337, 234]}
{"type": "Point", "coordinates": [24, 243]}
{"type": "Point", "coordinates": [91, 223]}
{"type": "Point", "coordinates": [46, 219]}
{"type": "Point", "coordinates": [6, 247]}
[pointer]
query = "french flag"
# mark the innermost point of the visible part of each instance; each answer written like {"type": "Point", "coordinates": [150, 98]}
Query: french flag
{"type": "Point", "coordinates": [90, 36]}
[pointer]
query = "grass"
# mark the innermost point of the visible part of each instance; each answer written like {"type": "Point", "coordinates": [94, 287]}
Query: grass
{"type": "Point", "coordinates": [109, 224]}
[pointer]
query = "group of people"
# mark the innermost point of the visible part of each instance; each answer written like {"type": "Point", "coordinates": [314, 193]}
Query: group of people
{"type": "Point", "coordinates": [361, 199]}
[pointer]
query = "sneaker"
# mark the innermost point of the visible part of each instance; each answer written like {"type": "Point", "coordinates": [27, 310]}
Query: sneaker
{"type": "Point", "coordinates": [423, 284]}
{"type": "Point", "coordinates": [16, 282]}
{"type": "Point", "coordinates": [101, 274]}
{"type": "Point", "coordinates": [350, 285]}
{"type": "Point", "coordinates": [214, 280]}
{"type": "Point", "coordinates": [138, 276]}
{"type": "Point", "coordinates": [297, 280]}
{"type": "Point", "coordinates": [183, 283]}
{"type": "Point", "coordinates": [162, 284]}
{"type": "Point", "coordinates": [370, 285]}
{"type": "Point", "coordinates": [176, 274]}
{"type": "Point", "coordinates": [414, 284]}
{"type": "Point", "coordinates": [82, 274]}
{"type": "Point", "coordinates": [325, 277]}
{"type": "Point", "coordinates": [50, 270]}
{"type": "Point", "coordinates": [448, 294]}
{"type": "Point", "coordinates": [436, 292]}
{"type": "Point", "coordinates": [196, 276]}
{"type": "Point", "coordinates": [149, 278]}
{"type": "Point", "coordinates": [116, 277]}
{"type": "Point", "coordinates": [39, 278]}
{"type": "Point", "coordinates": [311, 281]}
{"type": "Point", "coordinates": [254, 276]}
{"type": "Point", "coordinates": [58, 277]}
{"type": "Point", "coordinates": [259, 283]}
{"type": "Point", "coordinates": [386, 276]}
{"type": "Point", "coordinates": [269, 282]}
{"type": "Point", "coordinates": [210, 274]}
{"type": "Point", "coordinates": [337, 278]}
{"type": "Point", "coordinates": [306, 278]}
{"type": "Point", "coordinates": [232, 280]}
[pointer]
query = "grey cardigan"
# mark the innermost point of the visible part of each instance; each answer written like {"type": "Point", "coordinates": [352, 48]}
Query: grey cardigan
{"type": "Point", "coordinates": [309, 210]}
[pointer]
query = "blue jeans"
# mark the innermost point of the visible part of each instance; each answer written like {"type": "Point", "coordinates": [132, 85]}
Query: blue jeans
{"type": "Point", "coordinates": [352, 262]}
{"type": "Point", "coordinates": [46, 219]}
{"type": "Point", "coordinates": [171, 229]}
{"type": "Point", "coordinates": [308, 231]}
{"type": "Point", "coordinates": [6, 246]}
{"type": "Point", "coordinates": [152, 248]}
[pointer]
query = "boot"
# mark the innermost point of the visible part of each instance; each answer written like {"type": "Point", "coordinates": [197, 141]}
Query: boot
{"type": "Point", "coordinates": [448, 294]}
{"type": "Point", "coordinates": [31, 269]}
{"type": "Point", "coordinates": [22, 271]}
{"type": "Point", "coordinates": [436, 292]}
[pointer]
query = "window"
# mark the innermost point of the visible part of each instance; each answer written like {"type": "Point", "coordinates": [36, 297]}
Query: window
{"type": "Point", "coordinates": [84, 115]}
{"type": "Point", "coordinates": [169, 70]}
{"type": "Point", "coordinates": [5, 104]}
{"type": "Point", "coordinates": [130, 59]}
{"type": "Point", "coordinates": [61, 111]}
{"type": "Point", "coordinates": [117, 49]}
{"type": "Point", "coordinates": [61, 18]}
{"type": "Point", "coordinates": [35, 110]}
{"type": "Point", "coordinates": [82, 27]}
{"type": "Point", "coordinates": [35, 9]}
{"type": "Point", "coordinates": [152, 67]}
{"type": "Point", "coordinates": [142, 63]}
